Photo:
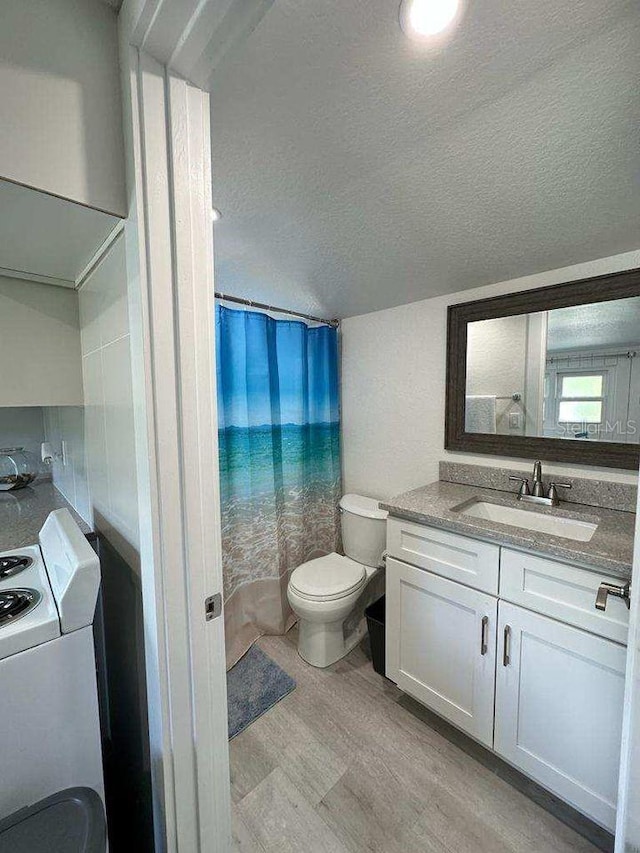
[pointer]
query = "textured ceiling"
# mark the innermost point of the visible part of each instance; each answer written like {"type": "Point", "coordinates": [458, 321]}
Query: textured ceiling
{"type": "Point", "coordinates": [604, 324]}
{"type": "Point", "coordinates": [356, 170]}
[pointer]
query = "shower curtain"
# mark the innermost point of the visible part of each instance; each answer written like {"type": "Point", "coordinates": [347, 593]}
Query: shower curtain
{"type": "Point", "coordinates": [279, 440]}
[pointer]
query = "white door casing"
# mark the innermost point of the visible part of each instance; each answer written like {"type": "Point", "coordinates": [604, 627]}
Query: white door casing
{"type": "Point", "coordinates": [190, 141]}
{"type": "Point", "coordinates": [170, 261]}
{"type": "Point", "coordinates": [628, 820]}
{"type": "Point", "coordinates": [441, 646]}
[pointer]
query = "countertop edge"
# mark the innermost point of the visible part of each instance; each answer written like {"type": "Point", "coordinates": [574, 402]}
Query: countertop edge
{"type": "Point", "coordinates": [612, 566]}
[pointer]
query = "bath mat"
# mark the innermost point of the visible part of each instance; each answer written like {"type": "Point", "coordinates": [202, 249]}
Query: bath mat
{"type": "Point", "coordinates": [254, 684]}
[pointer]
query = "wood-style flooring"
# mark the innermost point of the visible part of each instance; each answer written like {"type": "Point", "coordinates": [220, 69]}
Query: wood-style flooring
{"type": "Point", "coordinates": [338, 766]}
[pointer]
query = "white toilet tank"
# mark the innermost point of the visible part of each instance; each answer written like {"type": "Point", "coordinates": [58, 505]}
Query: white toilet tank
{"type": "Point", "coordinates": [364, 529]}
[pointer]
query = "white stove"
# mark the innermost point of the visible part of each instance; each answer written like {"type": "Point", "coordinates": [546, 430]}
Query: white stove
{"type": "Point", "coordinates": [28, 612]}
{"type": "Point", "coordinates": [48, 693]}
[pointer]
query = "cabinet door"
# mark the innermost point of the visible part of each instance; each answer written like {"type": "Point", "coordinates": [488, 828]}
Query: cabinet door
{"type": "Point", "coordinates": [559, 697]}
{"type": "Point", "coordinates": [441, 645]}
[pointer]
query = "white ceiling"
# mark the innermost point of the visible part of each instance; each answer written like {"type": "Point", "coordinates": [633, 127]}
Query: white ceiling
{"type": "Point", "coordinates": [603, 324]}
{"type": "Point", "coordinates": [356, 170]}
{"type": "Point", "coordinates": [42, 235]}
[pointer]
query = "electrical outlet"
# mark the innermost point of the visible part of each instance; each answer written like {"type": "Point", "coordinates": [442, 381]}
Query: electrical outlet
{"type": "Point", "coordinates": [514, 420]}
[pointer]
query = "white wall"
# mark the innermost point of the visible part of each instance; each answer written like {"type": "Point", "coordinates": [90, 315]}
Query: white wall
{"type": "Point", "coordinates": [61, 128]}
{"type": "Point", "coordinates": [393, 388]}
{"type": "Point", "coordinates": [39, 345]}
{"type": "Point", "coordinates": [100, 477]}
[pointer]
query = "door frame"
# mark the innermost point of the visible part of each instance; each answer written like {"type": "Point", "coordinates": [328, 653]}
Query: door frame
{"type": "Point", "coordinates": [169, 245]}
{"type": "Point", "coordinates": [628, 818]}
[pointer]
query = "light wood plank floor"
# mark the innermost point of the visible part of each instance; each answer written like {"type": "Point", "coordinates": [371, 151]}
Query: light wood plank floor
{"type": "Point", "coordinates": [338, 766]}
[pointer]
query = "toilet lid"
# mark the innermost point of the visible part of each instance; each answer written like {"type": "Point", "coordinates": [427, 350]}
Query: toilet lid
{"type": "Point", "coordinates": [328, 578]}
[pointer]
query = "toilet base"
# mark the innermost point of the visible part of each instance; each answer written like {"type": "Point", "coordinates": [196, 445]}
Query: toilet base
{"type": "Point", "coordinates": [323, 643]}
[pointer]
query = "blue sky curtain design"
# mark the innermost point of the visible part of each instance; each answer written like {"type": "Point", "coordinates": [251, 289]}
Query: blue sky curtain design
{"type": "Point", "coordinates": [279, 446]}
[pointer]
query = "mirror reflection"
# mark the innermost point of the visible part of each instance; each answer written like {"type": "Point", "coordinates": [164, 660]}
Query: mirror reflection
{"type": "Point", "coordinates": [570, 373]}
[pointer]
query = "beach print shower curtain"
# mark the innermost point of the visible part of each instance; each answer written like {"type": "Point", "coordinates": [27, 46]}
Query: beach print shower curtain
{"type": "Point", "coordinates": [279, 440]}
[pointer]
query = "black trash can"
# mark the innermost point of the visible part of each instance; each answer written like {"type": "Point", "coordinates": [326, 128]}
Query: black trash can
{"type": "Point", "coordinates": [69, 822]}
{"type": "Point", "coordinates": [375, 614]}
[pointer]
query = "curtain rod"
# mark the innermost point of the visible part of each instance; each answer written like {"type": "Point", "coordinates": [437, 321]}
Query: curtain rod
{"type": "Point", "coordinates": [252, 304]}
{"type": "Point", "coordinates": [579, 355]}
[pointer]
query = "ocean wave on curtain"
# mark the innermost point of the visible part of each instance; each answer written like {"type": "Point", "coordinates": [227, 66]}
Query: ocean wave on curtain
{"type": "Point", "coordinates": [279, 445]}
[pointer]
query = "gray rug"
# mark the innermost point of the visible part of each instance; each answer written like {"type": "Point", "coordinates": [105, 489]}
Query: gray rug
{"type": "Point", "coordinates": [254, 685]}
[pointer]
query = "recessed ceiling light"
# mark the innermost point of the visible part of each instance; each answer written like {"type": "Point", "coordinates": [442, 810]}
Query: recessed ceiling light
{"type": "Point", "coordinates": [215, 214]}
{"type": "Point", "coordinates": [424, 19]}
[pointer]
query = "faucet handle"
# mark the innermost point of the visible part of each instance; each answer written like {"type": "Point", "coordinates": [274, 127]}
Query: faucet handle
{"type": "Point", "coordinates": [524, 485]}
{"type": "Point", "coordinates": [553, 492]}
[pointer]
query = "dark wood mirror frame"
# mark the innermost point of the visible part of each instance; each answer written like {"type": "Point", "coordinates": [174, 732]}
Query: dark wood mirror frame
{"type": "Point", "coordinates": [604, 454]}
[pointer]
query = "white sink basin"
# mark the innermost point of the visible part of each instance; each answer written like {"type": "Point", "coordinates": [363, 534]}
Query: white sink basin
{"type": "Point", "coordinates": [555, 525]}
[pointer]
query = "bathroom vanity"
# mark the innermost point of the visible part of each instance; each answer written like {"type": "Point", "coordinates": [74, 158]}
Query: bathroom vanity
{"type": "Point", "coordinates": [493, 625]}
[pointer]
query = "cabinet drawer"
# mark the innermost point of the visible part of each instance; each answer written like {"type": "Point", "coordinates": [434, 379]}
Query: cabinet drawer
{"type": "Point", "coordinates": [468, 561]}
{"type": "Point", "coordinates": [563, 592]}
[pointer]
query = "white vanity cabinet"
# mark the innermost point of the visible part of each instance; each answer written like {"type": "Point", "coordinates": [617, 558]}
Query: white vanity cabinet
{"type": "Point", "coordinates": [532, 671]}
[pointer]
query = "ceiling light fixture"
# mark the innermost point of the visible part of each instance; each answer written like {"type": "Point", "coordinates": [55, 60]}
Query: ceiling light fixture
{"type": "Point", "coordinates": [424, 19]}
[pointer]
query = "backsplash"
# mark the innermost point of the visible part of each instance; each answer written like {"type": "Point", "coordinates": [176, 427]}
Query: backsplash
{"type": "Point", "coordinates": [23, 426]}
{"type": "Point", "coordinates": [66, 423]}
{"type": "Point", "coordinates": [611, 495]}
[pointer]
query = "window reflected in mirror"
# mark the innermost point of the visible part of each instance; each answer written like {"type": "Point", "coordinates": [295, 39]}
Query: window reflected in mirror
{"type": "Point", "coordinates": [571, 373]}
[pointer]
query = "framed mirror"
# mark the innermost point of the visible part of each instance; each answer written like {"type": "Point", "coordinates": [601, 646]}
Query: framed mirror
{"type": "Point", "coordinates": [550, 373]}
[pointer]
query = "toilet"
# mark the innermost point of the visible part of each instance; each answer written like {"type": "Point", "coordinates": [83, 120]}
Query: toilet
{"type": "Point", "coordinates": [324, 591]}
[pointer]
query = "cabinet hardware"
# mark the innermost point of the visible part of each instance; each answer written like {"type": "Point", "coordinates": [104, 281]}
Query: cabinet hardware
{"type": "Point", "coordinates": [607, 589]}
{"type": "Point", "coordinates": [506, 654]}
{"type": "Point", "coordinates": [484, 640]}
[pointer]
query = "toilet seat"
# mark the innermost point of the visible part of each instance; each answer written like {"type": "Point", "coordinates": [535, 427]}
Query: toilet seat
{"type": "Point", "coordinates": [328, 578]}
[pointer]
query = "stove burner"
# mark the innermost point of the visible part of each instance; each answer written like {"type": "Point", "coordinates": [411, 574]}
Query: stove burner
{"type": "Point", "coordinates": [13, 564]}
{"type": "Point", "coordinates": [15, 603]}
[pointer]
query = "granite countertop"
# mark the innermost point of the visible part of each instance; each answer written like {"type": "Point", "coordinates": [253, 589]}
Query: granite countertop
{"type": "Point", "coordinates": [24, 511]}
{"type": "Point", "coordinates": [610, 548]}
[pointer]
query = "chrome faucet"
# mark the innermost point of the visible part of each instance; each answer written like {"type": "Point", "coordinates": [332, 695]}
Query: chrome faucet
{"type": "Point", "coordinates": [537, 493]}
{"type": "Point", "coordinates": [538, 485]}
